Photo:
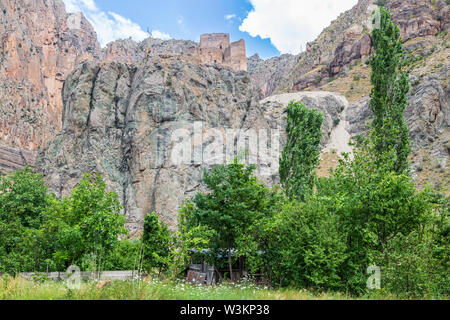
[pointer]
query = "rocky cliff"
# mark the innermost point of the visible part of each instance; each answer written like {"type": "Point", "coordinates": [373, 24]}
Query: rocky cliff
{"type": "Point", "coordinates": [348, 39]}
{"type": "Point", "coordinates": [337, 61]}
{"type": "Point", "coordinates": [13, 159]}
{"type": "Point", "coordinates": [125, 110]}
{"type": "Point", "coordinates": [267, 74]}
{"type": "Point", "coordinates": [119, 121]}
{"type": "Point", "coordinates": [40, 45]}
{"type": "Point", "coordinates": [125, 122]}
{"type": "Point", "coordinates": [130, 52]}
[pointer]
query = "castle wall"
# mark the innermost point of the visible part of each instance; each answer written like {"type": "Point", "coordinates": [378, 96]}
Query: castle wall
{"type": "Point", "coordinates": [211, 55]}
{"type": "Point", "coordinates": [215, 48]}
{"type": "Point", "coordinates": [220, 41]}
{"type": "Point", "coordinates": [235, 56]}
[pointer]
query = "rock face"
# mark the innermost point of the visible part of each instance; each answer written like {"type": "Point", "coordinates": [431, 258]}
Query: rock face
{"type": "Point", "coordinates": [348, 39]}
{"type": "Point", "coordinates": [129, 51]}
{"type": "Point", "coordinates": [126, 122]}
{"type": "Point", "coordinates": [119, 120]}
{"type": "Point", "coordinates": [214, 49]}
{"type": "Point", "coordinates": [13, 159]}
{"type": "Point", "coordinates": [39, 47]}
{"type": "Point", "coordinates": [267, 74]}
{"type": "Point", "coordinates": [421, 17]}
{"type": "Point", "coordinates": [427, 116]}
{"type": "Point", "coordinates": [355, 46]}
{"type": "Point", "coordinates": [332, 105]}
{"type": "Point", "coordinates": [335, 128]}
{"type": "Point", "coordinates": [150, 116]}
{"type": "Point", "coordinates": [338, 61]}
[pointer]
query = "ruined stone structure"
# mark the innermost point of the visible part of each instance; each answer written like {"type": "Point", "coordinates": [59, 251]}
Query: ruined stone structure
{"type": "Point", "coordinates": [216, 48]}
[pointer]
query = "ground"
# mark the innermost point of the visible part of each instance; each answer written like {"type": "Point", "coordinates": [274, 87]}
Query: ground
{"type": "Point", "coordinates": [21, 289]}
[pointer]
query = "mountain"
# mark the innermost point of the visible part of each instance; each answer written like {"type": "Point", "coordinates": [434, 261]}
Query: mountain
{"type": "Point", "coordinates": [268, 74]}
{"type": "Point", "coordinates": [124, 122]}
{"type": "Point", "coordinates": [40, 45]}
{"type": "Point", "coordinates": [68, 107]}
{"type": "Point", "coordinates": [337, 61]}
{"type": "Point", "coordinates": [348, 39]}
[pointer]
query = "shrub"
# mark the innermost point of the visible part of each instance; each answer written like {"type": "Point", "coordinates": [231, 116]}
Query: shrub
{"type": "Point", "coordinates": [23, 195]}
{"type": "Point", "coordinates": [156, 241]}
{"type": "Point", "coordinates": [235, 202]}
{"type": "Point", "coordinates": [303, 247]}
{"type": "Point", "coordinates": [85, 226]}
{"type": "Point", "coordinates": [127, 255]}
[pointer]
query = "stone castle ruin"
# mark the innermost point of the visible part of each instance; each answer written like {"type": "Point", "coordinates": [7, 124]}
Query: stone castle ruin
{"type": "Point", "coordinates": [216, 48]}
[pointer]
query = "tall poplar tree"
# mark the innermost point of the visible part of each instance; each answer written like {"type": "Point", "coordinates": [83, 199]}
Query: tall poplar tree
{"type": "Point", "coordinates": [301, 154]}
{"type": "Point", "coordinates": [389, 134]}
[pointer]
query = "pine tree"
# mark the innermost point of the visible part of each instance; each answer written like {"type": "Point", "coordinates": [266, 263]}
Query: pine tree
{"type": "Point", "coordinates": [389, 134]}
{"type": "Point", "coordinates": [302, 151]}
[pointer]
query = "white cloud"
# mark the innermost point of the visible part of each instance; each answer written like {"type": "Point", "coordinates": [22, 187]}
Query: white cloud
{"type": "Point", "coordinates": [110, 26]}
{"type": "Point", "coordinates": [290, 24]}
{"type": "Point", "coordinates": [76, 5]}
{"type": "Point", "coordinates": [230, 16]}
{"type": "Point", "coordinates": [160, 35]}
{"type": "Point", "coordinates": [180, 20]}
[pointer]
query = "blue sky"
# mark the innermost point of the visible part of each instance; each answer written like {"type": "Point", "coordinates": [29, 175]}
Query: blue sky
{"type": "Point", "coordinates": [269, 27]}
{"type": "Point", "coordinates": [187, 19]}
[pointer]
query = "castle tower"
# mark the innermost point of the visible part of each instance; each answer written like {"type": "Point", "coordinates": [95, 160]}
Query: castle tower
{"type": "Point", "coordinates": [215, 48]}
{"type": "Point", "coordinates": [219, 41]}
{"type": "Point", "coordinates": [235, 56]}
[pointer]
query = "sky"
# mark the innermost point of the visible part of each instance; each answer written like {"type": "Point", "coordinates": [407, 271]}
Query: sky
{"type": "Point", "coordinates": [269, 27]}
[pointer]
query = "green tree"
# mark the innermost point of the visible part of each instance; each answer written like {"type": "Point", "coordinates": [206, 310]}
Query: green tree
{"type": "Point", "coordinates": [301, 154]}
{"type": "Point", "coordinates": [85, 225]}
{"type": "Point", "coordinates": [301, 246]}
{"type": "Point", "coordinates": [390, 134]}
{"type": "Point", "coordinates": [376, 199]}
{"type": "Point", "coordinates": [236, 199]}
{"type": "Point", "coordinates": [125, 255]}
{"type": "Point", "coordinates": [191, 236]}
{"type": "Point", "coordinates": [23, 202]}
{"type": "Point", "coordinates": [40, 232]}
{"type": "Point", "coordinates": [23, 195]}
{"type": "Point", "coordinates": [375, 206]}
{"type": "Point", "coordinates": [156, 241]}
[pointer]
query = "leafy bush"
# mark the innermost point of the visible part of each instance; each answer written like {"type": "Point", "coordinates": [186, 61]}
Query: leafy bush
{"type": "Point", "coordinates": [85, 226]}
{"type": "Point", "coordinates": [156, 241]}
{"type": "Point", "coordinates": [301, 246]}
{"type": "Point", "coordinates": [23, 195]}
{"type": "Point", "coordinates": [39, 232]}
{"type": "Point", "coordinates": [125, 256]}
{"type": "Point", "coordinates": [23, 202]}
{"type": "Point", "coordinates": [417, 264]}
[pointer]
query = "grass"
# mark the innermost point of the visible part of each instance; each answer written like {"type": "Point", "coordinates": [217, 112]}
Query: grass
{"type": "Point", "coordinates": [22, 289]}
{"type": "Point", "coordinates": [354, 86]}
